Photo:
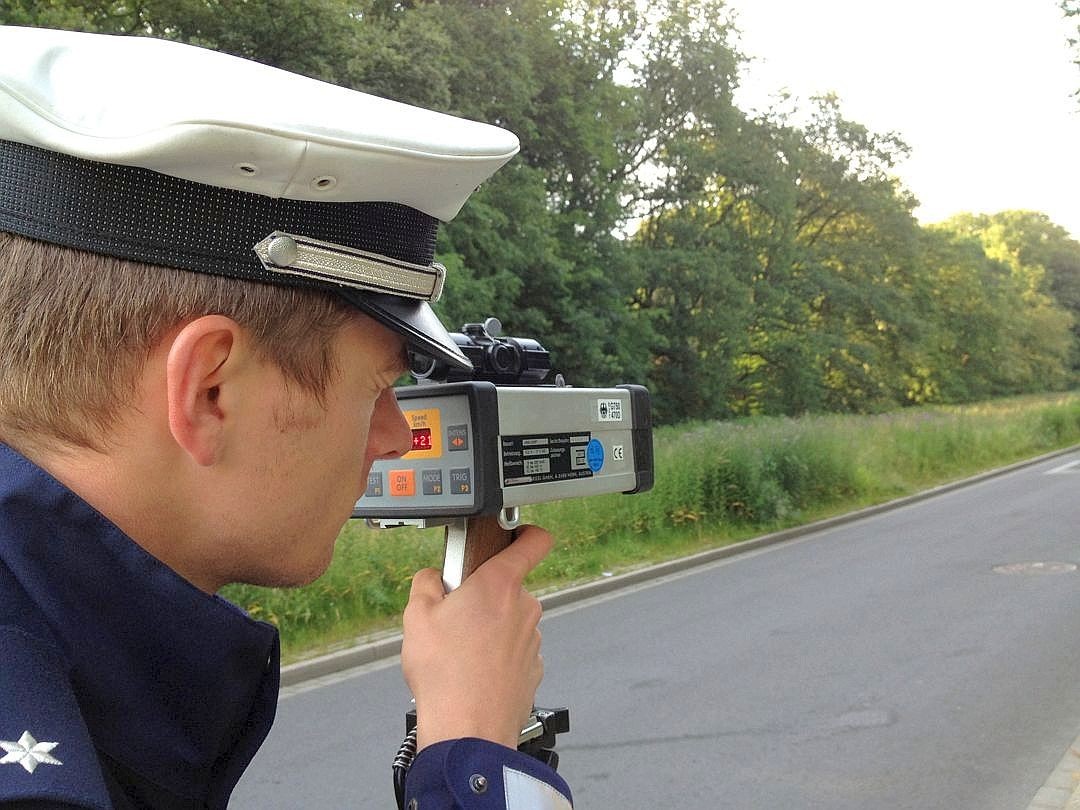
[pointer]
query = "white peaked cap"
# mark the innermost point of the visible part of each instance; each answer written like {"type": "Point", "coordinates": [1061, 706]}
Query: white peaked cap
{"type": "Point", "coordinates": [209, 117]}
{"type": "Point", "coordinates": [181, 156]}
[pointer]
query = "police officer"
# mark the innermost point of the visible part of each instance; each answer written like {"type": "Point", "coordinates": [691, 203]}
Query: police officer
{"type": "Point", "coordinates": [211, 272]}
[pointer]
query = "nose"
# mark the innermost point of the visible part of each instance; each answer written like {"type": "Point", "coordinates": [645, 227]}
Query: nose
{"type": "Point", "coordinates": [390, 435]}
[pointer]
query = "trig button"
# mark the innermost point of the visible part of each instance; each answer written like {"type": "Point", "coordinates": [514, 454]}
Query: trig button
{"type": "Point", "coordinates": [461, 482]}
{"type": "Point", "coordinates": [431, 481]}
{"type": "Point", "coordinates": [457, 437]}
{"type": "Point", "coordinates": [402, 483]}
{"type": "Point", "coordinates": [374, 485]}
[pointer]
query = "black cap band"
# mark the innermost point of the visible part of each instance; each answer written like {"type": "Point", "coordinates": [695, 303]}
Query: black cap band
{"type": "Point", "coordinates": [143, 215]}
{"type": "Point", "coordinates": [139, 214]}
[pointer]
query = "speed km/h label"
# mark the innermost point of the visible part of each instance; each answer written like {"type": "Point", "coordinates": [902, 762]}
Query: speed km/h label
{"type": "Point", "coordinates": [548, 457]}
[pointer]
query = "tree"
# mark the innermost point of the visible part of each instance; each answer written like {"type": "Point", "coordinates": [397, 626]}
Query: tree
{"type": "Point", "coordinates": [1044, 263]}
{"type": "Point", "coordinates": [100, 16]}
{"type": "Point", "coordinates": [596, 92]}
{"type": "Point", "coordinates": [649, 230]}
{"type": "Point", "coordinates": [1071, 9]}
{"type": "Point", "coordinates": [853, 236]}
{"type": "Point", "coordinates": [805, 241]}
{"type": "Point", "coordinates": [1030, 346]}
{"type": "Point", "coordinates": [312, 37]}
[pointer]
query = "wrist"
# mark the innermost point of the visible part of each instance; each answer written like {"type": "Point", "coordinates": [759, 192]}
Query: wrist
{"type": "Point", "coordinates": [434, 729]}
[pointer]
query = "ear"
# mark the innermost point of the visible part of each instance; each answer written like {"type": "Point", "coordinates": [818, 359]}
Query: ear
{"type": "Point", "coordinates": [203, 356]}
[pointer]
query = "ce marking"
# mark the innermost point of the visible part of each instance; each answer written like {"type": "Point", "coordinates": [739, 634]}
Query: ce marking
{"type": "Point", "coordinates": [617, 453]}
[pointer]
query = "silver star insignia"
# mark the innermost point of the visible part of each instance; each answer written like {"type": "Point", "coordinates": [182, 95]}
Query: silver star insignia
{"type": "Point", "coordinates": [28, 752]}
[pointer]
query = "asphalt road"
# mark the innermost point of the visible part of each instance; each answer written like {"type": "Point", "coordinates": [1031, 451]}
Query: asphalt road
{"type": "Point", "coordinates": [888, 663]}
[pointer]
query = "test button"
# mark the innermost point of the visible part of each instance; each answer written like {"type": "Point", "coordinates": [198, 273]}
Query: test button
{"type": "Point", "coordinates": [374, 485]}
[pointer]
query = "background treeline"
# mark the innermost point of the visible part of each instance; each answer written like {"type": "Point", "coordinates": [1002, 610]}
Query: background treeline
{"type": "Point", "coordinates": [651, 231]}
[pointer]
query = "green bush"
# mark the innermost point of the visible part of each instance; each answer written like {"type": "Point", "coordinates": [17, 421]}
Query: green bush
{"type": "Point", "coordinates": [715, 483]}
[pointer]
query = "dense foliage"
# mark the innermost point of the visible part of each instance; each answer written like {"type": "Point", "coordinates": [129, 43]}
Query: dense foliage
{"type": "Point", "coordinates": [716, 483]}
{"type": "Point", "coordinates": [653, 232]}
{"type": "Point", "coordinates": [1071, 9]}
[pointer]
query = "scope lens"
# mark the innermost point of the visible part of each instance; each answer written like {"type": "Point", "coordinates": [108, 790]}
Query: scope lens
{"type": "Point", "coordinates": [502, 358]}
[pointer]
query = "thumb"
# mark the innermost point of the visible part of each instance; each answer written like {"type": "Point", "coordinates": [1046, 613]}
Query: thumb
{"type": "Point", "coordinates": [427, 587]}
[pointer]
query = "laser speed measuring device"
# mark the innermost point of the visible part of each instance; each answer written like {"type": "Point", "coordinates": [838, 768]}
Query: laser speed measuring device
{"type": "Point", "coordinates": [478, 448]}
{"type": "Point", "coordinates": [488, 446]}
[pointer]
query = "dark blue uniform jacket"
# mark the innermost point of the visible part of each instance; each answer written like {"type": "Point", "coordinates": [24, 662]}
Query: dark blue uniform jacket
{"type": "Point", "coordinates": [147, 691]}
{"type": "Point", "coordinates": [123, 686]}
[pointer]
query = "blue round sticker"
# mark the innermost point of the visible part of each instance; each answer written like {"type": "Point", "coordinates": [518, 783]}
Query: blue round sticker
{"type": "Point", "coordinates": [594, 455]}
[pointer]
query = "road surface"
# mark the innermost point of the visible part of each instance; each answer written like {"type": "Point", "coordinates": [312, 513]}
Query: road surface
{"type": "Point", "coordinates": [927, 657]}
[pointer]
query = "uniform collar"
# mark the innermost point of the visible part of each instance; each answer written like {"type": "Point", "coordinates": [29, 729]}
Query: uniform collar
{"type": "Point", "coordinates": [177, 685]}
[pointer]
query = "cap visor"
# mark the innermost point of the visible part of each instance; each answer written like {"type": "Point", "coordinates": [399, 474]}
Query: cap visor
{"type": "Point", "coordinates": [415, 320]}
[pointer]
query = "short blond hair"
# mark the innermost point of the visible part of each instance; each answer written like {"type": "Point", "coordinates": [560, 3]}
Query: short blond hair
{"type": "Point", "coordinates": [76, 329]}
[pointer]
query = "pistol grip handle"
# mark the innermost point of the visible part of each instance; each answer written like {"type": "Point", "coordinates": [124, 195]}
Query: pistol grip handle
{"type": "Point", "coordinates": [470, 542]}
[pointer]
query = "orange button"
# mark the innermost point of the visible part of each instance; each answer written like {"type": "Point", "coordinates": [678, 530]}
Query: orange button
{"type": "Point", "coordinates": [402, 483]}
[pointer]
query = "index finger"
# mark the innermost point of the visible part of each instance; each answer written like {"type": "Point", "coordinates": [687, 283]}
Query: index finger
{"type": "Point", "coordinates": [531, 545]}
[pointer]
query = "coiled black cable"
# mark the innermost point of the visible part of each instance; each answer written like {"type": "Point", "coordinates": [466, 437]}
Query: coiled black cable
{"type": "Point", "coordinates": [402, 762]}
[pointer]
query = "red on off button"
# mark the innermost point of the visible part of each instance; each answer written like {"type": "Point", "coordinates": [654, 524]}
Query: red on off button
{"type": "Point", "coordinates": [402, 483]}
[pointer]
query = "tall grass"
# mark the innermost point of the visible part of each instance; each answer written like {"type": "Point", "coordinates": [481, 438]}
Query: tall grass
{"type": "Point", "coordinates": [715, 483]}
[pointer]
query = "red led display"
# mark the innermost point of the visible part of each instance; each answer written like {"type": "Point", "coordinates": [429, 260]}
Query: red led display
{"type": "Point", "coordinates": [421, 439]}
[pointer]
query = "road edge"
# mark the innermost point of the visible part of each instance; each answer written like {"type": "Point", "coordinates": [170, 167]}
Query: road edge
{"type": "Point", "coordinates": [371, 651]}
{"type": "Point", "coordinates": [1061, 791]}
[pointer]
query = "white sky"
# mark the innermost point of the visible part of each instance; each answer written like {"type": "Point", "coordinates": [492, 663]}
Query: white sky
{"type": "Point", "coordinates": [980, 89]}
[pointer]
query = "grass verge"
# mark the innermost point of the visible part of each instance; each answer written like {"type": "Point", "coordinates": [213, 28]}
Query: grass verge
{"type": "Point", "coordinates": [716, 483]}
